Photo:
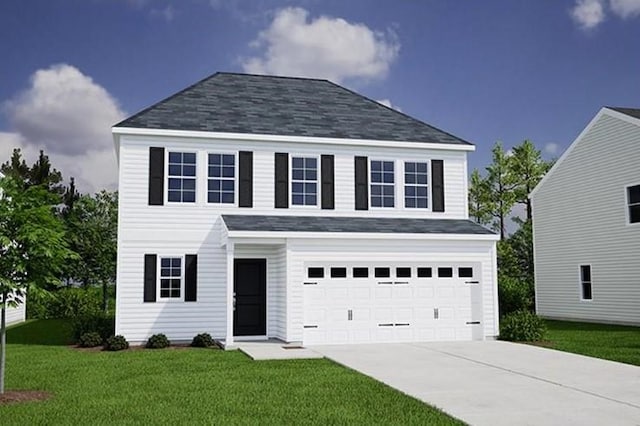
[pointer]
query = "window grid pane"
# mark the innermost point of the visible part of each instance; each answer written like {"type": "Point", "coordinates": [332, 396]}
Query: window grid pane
{"type": "Point", "coordinates": [170, 277]}
{"type": "Point", "coordinates": [633, 199]}
{"type": "Point", "coordinates": [304, 181]}
{"type": "Point", "coordinates": [182, 177]}
{"type": "Point", "coordinates": [415, 185]}
{"type": "Point", "coordinates": [382, 184]}
{"type": "Point", "coordinates": [221, 178]}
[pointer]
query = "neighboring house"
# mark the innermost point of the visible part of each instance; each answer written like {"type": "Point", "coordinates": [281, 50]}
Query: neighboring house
{"type": "Point", "coordinates": [14, 315]}
{"type": "Point", "coordinates": [257, 207]}
{"type": "Point", "coordinates": [586, 225]}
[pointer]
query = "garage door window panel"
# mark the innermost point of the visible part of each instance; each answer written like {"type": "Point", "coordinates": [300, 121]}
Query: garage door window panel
{"type": "Point", "coordinates": [382, 272]}
{"type": "Point", "coordinates": [339, 272]}
{"type": "Point", "coordinates": [425, 272]}
{"type": "Point", "coordinates": [360, 272]}
{"type": "Point", "coordinates": [445, 272]}
{"type": "Point", "coordinates": [315, 272]}
{"type": "Point", "coordinates": [465, 272]}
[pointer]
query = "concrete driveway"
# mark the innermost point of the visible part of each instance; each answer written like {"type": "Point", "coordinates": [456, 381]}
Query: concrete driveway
{"type": "Point", "coordinates": [500, 383]}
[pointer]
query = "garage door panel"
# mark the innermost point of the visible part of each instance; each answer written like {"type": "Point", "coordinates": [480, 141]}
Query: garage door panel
{"type": "Point", "coordinates": [392, 309]}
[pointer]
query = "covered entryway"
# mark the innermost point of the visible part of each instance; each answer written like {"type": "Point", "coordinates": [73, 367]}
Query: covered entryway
{"type": "Point", "coordinates": [356, 302]}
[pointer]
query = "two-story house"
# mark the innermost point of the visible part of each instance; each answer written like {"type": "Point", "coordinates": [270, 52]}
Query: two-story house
{"type": "Point", "coordinates": [257, 207]}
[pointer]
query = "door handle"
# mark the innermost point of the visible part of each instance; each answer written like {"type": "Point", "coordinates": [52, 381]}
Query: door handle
{"type": "Point", "coordinates": [436, 313]}
{"type": "Point", "coordinates": [349, 315]}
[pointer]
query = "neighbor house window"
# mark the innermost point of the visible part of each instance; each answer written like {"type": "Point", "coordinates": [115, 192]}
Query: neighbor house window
{"type": "Point", "coordinates": [585, 282]}
{"type": "Point", "coordinates": [182, 177]}
{"type": "Point", "coordinates": [170, 277]}
{"type": "Point", "coordinates": [382, 184]}
{"type": "Point", "coordinates": [415, 185]}
{"type": "Point", "coordinates": [633, 202]}
{"type": "Point", "coordinates": [221, 178]}
{"type": "Point", "coordinates": [304, 181]}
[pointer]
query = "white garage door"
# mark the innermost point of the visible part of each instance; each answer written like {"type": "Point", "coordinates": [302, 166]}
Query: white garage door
{"type": "Point", "coordinates": [356, 303]}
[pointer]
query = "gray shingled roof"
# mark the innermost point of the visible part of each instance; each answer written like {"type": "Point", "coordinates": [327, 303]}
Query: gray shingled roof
{"type": "Point", "coordinates": [258, 104]}
{"type": "Point", "coordinates": [351, 224]}
{"type": "Point", "coordinates": [633, 112]}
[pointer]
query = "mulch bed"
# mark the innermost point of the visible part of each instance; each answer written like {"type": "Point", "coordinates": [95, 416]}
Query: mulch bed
{"type": "Point", "coordinates": [140, 347]}
{"type": "Point", "coordinates": [14, 397]}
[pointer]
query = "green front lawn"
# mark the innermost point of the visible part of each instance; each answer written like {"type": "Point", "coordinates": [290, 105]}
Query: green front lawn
{"type": "Point", "coordinates": [190, 386]}
{"type": "Point", "coordinates": [613, 342]}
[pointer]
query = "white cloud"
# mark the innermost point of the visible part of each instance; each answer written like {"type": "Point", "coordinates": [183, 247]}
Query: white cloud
{"type": "Point", "coordinates": [626, 8]}
{"type": "Point", "coordinates": [551, 148]}
{"type": "Point", "coordinates": [324, 47]}
{"type": "Point", "coordinates": [69, 116]}
{"type": "Point", "coordinates": [387, 103]}
{"type": "Point", "coordinates": [167, 13]}
{"type": "Point", "coordinates": [588, 14]}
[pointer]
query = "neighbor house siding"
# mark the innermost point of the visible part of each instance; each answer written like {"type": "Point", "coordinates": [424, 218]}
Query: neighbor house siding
{"type": "Point", "coordinates": [392, 252]}
{"type": "Point", "coordinates": [16, 315]}
{"type": "Point", "coordinates": [580, 218]}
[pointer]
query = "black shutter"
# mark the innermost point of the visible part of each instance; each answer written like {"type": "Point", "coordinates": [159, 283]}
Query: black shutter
{"type": "Point", "coordinates": [150, 268]}
{"type": "Point", "coordinates": [190, 277]}
{"type": "Point", "coordinates": [156, 176]}
{"type": "Point", "coordinates": [327, 181]}
{"type": "Point", "coordinates": [361, 182]}
{"type": "Point", "coordinates": [282, 180]}
{"type": "Point", "coordinates": [245, 190]}
{"type": "Point", "coordinates": [437, 184]}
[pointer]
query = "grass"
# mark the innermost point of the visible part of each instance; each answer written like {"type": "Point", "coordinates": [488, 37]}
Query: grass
{"type": "Point", "coordinates": [612, 342]}
{"type": "Point", "coordinates": [191, 385]}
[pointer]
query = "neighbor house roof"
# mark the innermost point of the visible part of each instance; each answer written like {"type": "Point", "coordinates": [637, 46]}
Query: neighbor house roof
{"type": "Point", "coordinates": [352, 225]}
{"type": "Point", "coordinates": [269, 105]}
{"type": "Point", "coordinates": [632, 112]}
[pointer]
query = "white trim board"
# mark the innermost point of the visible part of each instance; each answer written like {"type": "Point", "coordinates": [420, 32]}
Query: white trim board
{"type": "Point", "coordinates": [117, 131]}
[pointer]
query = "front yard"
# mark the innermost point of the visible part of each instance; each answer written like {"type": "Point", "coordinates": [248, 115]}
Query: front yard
{"type": "Point", "coordinates": [190, 385]}
{"type": "Point", "coordinates": [612, 342]}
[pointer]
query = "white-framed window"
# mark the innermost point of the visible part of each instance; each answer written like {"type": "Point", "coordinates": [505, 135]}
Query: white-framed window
{"type": "Point", "coordinates": [586, 292]}
{"type": "Point", "coordinates": [221, 178]}
{"type": "Point", "coordinates": [633, 203]}
{"type": "Point", "coordinates": [416, 187]}
{"type": "Point", "coordinates": [171, 277]}
{"type": "Point", "coordinates": [181, 177]}
{"type": "Point", "coordinates": [304, 181]}
{"type": "Point", "coordinates": [382, 183]}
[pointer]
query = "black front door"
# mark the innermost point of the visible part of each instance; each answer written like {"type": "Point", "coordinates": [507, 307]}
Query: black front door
{"type": "Point", "coordinates": [250, 290]}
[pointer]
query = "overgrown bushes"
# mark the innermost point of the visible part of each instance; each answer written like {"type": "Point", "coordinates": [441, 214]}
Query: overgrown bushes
{"type": "Point", "coordinates": [522, 326]}
{"type": "Point", "coordinates": [116, 343]}
{"type": "Point", "coordinates": [94, 322]}
{"type": "Point", "coordinates": [515, 295]}
{"type": "Point", "coordinates": [157, 341]}
{"type": "Point", "coordinates": [68, 302]}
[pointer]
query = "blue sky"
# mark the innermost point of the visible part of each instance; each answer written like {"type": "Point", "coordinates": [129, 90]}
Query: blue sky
{"type": "Point", "coordinates": [485, 71]}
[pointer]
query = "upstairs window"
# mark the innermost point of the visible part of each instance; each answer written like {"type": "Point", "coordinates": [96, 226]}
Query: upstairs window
{"type": "Point", "coordinates": [304, 181]}
{"type": "Point", "coordinates": [182, 177]}
{"type": "Point", "coordinates": [585, 282]}
{"type": "Point", "coordinates": [633, 203]}
{"type": "Point", "coordinates": [415, 185]}
{"type": "Point", "coordinates": [221, 178]}
{"type": "Point", "coordinates": [170, 277]}
{"type": "Point", "coordinates": [382, 184]}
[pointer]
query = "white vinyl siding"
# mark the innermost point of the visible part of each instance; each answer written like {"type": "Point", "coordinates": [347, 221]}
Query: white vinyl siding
{"type": "Point", "coordinates": [195, 228]}
{"type": "Point", "coordinates": [580, 218]}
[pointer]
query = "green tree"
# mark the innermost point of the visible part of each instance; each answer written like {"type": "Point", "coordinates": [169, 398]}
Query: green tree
{"type": "Point", "coordinates": [32, 247]}
{"type": "Point", "coordinates": [528, 169]}
{"type": "Point", "coordinates": [479, 199]}
{"type": "Point", "coordinates": [41, 173]}
{"type": "Point", "coordinates": [502, 184]}
{"type": "Point", "coordinates": [92, 226]}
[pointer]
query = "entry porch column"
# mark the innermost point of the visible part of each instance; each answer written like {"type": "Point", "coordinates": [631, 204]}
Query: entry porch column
{"type": "Point", "coordinates": [230, 295]}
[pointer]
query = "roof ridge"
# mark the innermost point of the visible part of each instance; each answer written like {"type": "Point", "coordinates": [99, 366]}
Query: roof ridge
{"type": "Point", "coordinates": [273, 76]}
{"type": "Point", "coordinates": [400, 112]}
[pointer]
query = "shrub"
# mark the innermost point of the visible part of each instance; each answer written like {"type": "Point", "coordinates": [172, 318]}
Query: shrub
{"type": "Point", "coordinates": [90, 340]}
{"type": "Point", "coordinates": [203, 340]}
{"type": "Point", "coordinates": [522, 326]}
{"type": "Point", "coordinates": [116, 343]}
{"type": "Point", "coordinates": [96, 322]}
{"type": "Point", "coordinates": [68, 302]}
{"type": "Point", "coordinates": [157, 341]}
{"type": "Point", "coordinates": [515, 295]}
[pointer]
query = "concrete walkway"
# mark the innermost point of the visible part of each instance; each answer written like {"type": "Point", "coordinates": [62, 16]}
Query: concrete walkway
{"type": "Point", "coordinates": [500, 383]}
{"type": "Point", "coordinates": [275, 349]}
